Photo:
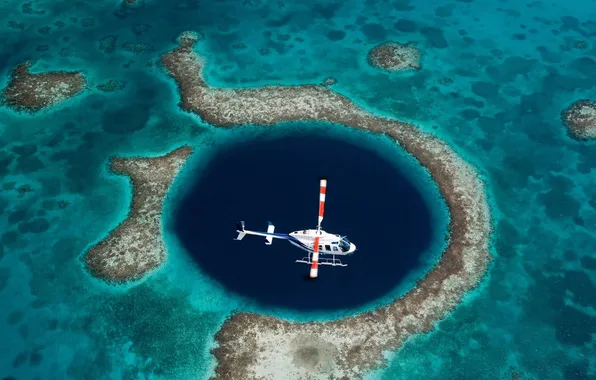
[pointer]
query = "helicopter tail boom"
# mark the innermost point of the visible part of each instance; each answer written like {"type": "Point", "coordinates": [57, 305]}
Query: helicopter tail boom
{"type": "Point", "coordinates": [269, 235]}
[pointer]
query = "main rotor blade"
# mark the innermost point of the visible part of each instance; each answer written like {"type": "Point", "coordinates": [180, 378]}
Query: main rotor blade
{"type": "Point", "coordinates": [314, 266]}
{"type": "Point", "coordinates": [322, 201]}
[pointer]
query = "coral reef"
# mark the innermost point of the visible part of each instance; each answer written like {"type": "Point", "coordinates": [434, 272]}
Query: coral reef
{"type": "Point", "coordinates": [136, 245]}
{"type": "Point", "coordinates": [329, 81]}
{"type": "Point", "coordinates": [264, 347]}
{"type": "Point", "coordinates": [107, 44]}
{"type": "Point", "coordinates": [131, 3]}
{"type": "Point", "coordinates": [395, 57]}
{"type": "Point", "coordinates": [188, 39]}
{"type": "Point", "coordinates": [33, 92]}
{"type": "Point", "coordinates": [580, 119]}
{"type": "Point", "coordinates": [111, 85]}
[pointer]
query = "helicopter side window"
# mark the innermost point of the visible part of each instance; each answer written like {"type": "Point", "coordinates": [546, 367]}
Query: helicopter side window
{"type": "Point", "coordinates": [327, 247]}
{"type": "Point", "coordinates": [320, 247]}
{"type": "Point", "coordinates": [335, 248]}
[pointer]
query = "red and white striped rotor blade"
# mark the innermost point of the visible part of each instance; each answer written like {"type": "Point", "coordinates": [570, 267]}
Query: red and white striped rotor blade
{"type": "Point", "coordinates": [322, 201]}
{"type": "Point", "coordinates": [314, 266]}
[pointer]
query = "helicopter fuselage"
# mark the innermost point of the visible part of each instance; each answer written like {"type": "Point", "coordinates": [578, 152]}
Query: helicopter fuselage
{"type": "Point", "coordinates": [330, 244]}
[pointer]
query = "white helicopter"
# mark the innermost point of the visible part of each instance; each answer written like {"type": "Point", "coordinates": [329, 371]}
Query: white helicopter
{"type": "Point", "coordinates": [314, 242]}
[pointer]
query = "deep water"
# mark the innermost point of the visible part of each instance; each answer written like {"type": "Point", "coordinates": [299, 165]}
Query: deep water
{"type": "Point", "coordinates": [368, 200]}
{"type": "Point", "coordinates": [495, 76]}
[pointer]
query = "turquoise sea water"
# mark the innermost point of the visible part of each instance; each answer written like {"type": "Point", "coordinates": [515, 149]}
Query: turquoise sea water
{"type": "Point", "coordinates": [495, 76]}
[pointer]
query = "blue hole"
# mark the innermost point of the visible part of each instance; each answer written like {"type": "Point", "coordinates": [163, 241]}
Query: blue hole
{"type": "Point", "coordinates": [277, 180]}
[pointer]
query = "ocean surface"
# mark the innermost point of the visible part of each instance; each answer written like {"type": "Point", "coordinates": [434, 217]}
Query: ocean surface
{"type": "Point", "coordinates": [495, 76]}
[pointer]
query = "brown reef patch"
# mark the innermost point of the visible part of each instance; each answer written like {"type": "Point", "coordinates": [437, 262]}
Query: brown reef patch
{"type": "Point", "coordinates": [34, 92]}
{"type": "Point", "coordinates": [580, 119]}
{"type": "Point", "coordinates": [329, 81]}
{"type": "Point", "coordinates": [136, 246]}
{"type": "Point", "coordinates": [393, 56]}
{"type": "Point", "coordinates": [111, 85]}
{"type": "Point", "coordinates": [253, 346]}
{"type": "Point", "coordinates": [131, 3]}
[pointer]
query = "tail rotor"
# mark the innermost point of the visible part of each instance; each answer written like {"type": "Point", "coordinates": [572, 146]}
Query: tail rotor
{"type": "Point", "coordinates": [241, 231]}
{"type": "Point", "coordinates": [240, 226]}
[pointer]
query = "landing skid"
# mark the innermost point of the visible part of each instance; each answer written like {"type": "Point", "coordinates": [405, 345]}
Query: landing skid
{"type": "Point", "coordinates": [324, 261]}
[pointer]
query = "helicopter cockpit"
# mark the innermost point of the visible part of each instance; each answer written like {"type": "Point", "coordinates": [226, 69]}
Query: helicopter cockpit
{"type": "Point", "coordinates": [344, 244]}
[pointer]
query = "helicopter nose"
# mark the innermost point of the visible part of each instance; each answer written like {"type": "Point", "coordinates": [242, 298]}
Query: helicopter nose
{"type": "Point", "coordinates": [352, 247]}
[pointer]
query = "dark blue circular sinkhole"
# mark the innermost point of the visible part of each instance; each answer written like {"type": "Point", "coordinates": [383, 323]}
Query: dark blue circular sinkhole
{"type": "Point", "coordinates": [277, 180]}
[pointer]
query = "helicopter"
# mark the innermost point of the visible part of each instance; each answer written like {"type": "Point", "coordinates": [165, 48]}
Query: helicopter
{"type": "Point", "coordinates": [315, 241]}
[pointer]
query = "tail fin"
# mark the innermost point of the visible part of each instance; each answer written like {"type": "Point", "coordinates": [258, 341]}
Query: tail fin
{"type": "Point", "coordinates": [240, 230]}
{"type": "Point", "coordinates": [270, 229]}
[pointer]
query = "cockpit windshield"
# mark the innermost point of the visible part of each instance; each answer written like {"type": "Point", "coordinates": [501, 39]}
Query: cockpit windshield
{"type": "Point", "coordinates": [344, 244]}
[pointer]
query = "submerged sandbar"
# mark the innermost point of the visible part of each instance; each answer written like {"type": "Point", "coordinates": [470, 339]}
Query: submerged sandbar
{"type": "Point", "coordinates": [136, 246]}
{"type": "Point", "coordinates": [264, 347]}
